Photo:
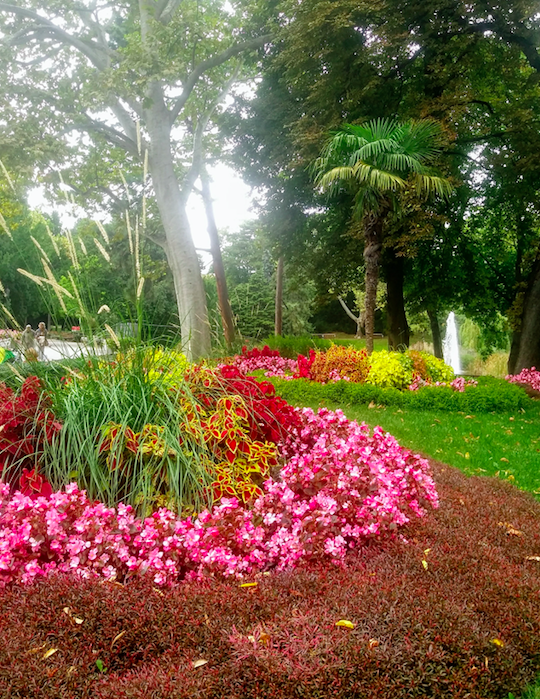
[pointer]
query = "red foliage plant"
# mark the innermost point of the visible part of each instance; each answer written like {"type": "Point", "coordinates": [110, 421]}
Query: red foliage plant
{"type": "Point", "coordinates": [26, 421]}
{"type": "Point", "coordinates": [452, 614]}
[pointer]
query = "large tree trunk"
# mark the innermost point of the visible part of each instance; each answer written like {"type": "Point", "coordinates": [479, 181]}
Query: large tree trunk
{"type": "Point", "coordinates": [435, 333]}
{"type": "Point", "coordinates": [278, 324]}
{"type": "Point", "coordinates": [398, 328]}
{"type": "Point", "coordinates": [225, 309]}
{"type": "Point", "coordinates": [373, 228]}
{"type": "Point", "coordinates": [525, 351]}
{"type": "Point", "coordinates": [180, 249]}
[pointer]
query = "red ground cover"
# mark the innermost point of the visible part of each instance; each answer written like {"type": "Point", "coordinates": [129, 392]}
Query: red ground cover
{"type": "Point", "coordinates": [452, 613]}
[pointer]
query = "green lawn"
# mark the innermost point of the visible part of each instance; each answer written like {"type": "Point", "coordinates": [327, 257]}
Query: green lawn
{"type": "Point", "coordinates": [506, 445]}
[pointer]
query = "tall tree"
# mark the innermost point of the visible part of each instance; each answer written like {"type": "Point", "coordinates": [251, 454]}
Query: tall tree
{"type": "Point", "coordinates": [377, 159]}
{"type": "Point", "coordinates": [127, 76]}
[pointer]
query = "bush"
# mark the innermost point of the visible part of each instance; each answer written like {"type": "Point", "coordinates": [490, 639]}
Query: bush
{"type": "Point", "coordinates": [490, 395]}
{"type": "Point", "coordinates": [340, 362]}
{"type": "Point", "coordinates": [464, 625]}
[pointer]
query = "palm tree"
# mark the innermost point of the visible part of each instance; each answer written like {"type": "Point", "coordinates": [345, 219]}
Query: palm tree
{"type": "Point", "coordinates": [375, 161]}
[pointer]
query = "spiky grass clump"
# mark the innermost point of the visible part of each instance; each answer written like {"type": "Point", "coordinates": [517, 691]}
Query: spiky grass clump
{"type": "Point", "coordinates": [123, 437]}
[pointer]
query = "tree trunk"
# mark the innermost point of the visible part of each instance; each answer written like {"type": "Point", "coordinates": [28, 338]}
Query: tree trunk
{"type": "Point", "coordinates": [435, 333]}
{"type": "Point", "coordinates": [278, 324]}
{"type": "Point", "coordinates": [180, 249]}
{"type": "Point", "coordinates": [398, 328]}
{"type": "Point", "coordinates": [527, 352]}
{"type": "Point", "coordinates": [225, 309]}
{"type": "Point", "coordinates": [373, 227]}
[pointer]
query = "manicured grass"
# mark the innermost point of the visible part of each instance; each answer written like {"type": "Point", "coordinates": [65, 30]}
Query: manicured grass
{"type": "Point", "coordinates": [506, 445]}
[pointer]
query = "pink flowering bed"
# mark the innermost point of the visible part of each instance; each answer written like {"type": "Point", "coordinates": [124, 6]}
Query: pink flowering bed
{"type": "Point", "coordinates": [339, 487]}
{"type": "Point", "coordinates": [526, 377]}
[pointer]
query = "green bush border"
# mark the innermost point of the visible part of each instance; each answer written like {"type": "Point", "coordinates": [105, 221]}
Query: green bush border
{"type": "Point", "coordinates": [491, 395]}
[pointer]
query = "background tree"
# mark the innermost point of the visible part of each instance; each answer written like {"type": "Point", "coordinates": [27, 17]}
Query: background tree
{"type": "Point", "coordinates": [125, 77]}
{"type": "Point", "coordinates": [377, 159]}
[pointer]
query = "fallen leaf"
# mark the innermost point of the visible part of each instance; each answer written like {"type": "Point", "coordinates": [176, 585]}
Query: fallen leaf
{"type": "Point", "coordinates": [425, 564]}
{"type": "Point", "coordinates": [426, 551]}
{"type": "Point", "coordinates": [199, 663]}
{"type": "Point", "coordinates": [532, 558]}
{"type": "Point", "coordinates": [467, 455]}
{"type": "Point", "coordinates": [67, 611]}
{"type": "Point", "coordinates": [345, 623]}
{"type": "Point", "coordinates": [117, 638]}
{"type": "Point", "coordinates": [505, 460]}
{"type": "Point", "coordinates": [252, 584]}
{"type": "Point", "coordinates": [497, 642]}
{"type": "Point", "coordinates": [50, 652]}
{"type": "Point", "coordinates": [373, 643]}
{"type": "Point", "coordinates": [469, 417]}
{"type": "Point", "coordinates": [372, 405]}
{"type": "Point", "coordinates": [252, 639]}
{"type": "Point", "coordinates": [264, 638]}
{"type": "Point", "coordinates": [78, 620]}
{"type": "Point", "coordinates": [36, 650]}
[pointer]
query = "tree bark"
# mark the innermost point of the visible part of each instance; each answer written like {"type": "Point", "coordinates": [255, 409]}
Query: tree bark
{"type": "Point", "coordinates": [373, 228]}
{"type": "Point", "coordinates": [225, 309]}
{"type": "Point", "coordinates": [525, 352]}
{"type": "Point", "coordinates": [278, 324]}
{"type": "Point", "coordinates": [435, 333]}
{"type": "Point", "coordinates": [398, 328]}
{"type": "Point", "coordinates": [180, 249]}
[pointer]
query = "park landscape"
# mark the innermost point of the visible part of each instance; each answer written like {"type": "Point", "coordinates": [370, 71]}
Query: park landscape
{"type": "Point", "coordinates": [255, 466]}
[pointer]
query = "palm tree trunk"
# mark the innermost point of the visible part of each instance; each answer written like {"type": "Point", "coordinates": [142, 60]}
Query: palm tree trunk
{"type": "Point", "coordinates": [373, 233]}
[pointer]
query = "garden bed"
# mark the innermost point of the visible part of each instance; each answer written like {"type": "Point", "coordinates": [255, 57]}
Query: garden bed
{"type": "Point", "coordinates": [452, 612]}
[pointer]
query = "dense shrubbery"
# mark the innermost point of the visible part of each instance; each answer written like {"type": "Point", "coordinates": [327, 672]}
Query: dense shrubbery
{"type": "Point", "coordinates": [452, 614]}
{"type": "Point", "coordinates": [489, 395]}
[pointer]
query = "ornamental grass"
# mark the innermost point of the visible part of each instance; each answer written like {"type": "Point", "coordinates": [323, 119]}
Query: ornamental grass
{"type": "Point", "coordinates": [450, 613]}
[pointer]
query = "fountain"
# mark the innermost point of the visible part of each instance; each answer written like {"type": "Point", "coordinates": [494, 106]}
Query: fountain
{"type": "Point", "coordinates": [450, 344]}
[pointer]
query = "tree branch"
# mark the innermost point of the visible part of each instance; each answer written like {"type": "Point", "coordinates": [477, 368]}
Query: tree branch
{"type": "Point", "coordinates": [110, 133]}
{"type": "Point", "coordinates": [197, 158]}
{"type": "Point", "coordinates": [94, 52]}
{"type": "Point", "coordinates": [213, 62]}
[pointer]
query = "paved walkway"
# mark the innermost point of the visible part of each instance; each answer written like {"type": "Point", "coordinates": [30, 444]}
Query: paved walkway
{"type": "Point", "coordinates": [60, 349]}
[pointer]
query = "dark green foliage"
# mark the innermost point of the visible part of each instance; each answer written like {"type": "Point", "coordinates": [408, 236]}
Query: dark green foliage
{"type": "Point", "coordinates": [490, 395]}
{"type": "Point", "coordinates": [465, 627]}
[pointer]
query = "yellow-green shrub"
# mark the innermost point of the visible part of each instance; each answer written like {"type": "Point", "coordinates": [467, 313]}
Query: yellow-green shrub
{"type": "Point", "coordinates": [390, 370]}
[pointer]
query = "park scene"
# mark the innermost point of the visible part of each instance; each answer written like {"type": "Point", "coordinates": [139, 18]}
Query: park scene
{"type": "Point", "coordinates": [269, 349]}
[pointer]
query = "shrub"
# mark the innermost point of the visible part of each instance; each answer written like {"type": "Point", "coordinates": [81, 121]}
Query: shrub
{"type": "Point", "coordinates": [390, 370]}
{"type": "Point", "coordinates": [464, 625]}
{"type": "Point", "coordinates": [490, 395]}
{"type": "Point", "coordinates": [340, 362]}
{"type": "Point", "coordinates": [26, 426]}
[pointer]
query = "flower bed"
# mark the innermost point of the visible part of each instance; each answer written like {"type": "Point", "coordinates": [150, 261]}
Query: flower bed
{"type": "Point", "coordinates": [528, 379]}
{"type": "Point", "coordinates": [402, 370]}
{"type": "Point", "coordinates": [465, 624]}
{"type": "Point", "coordinates": [340, 486]}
